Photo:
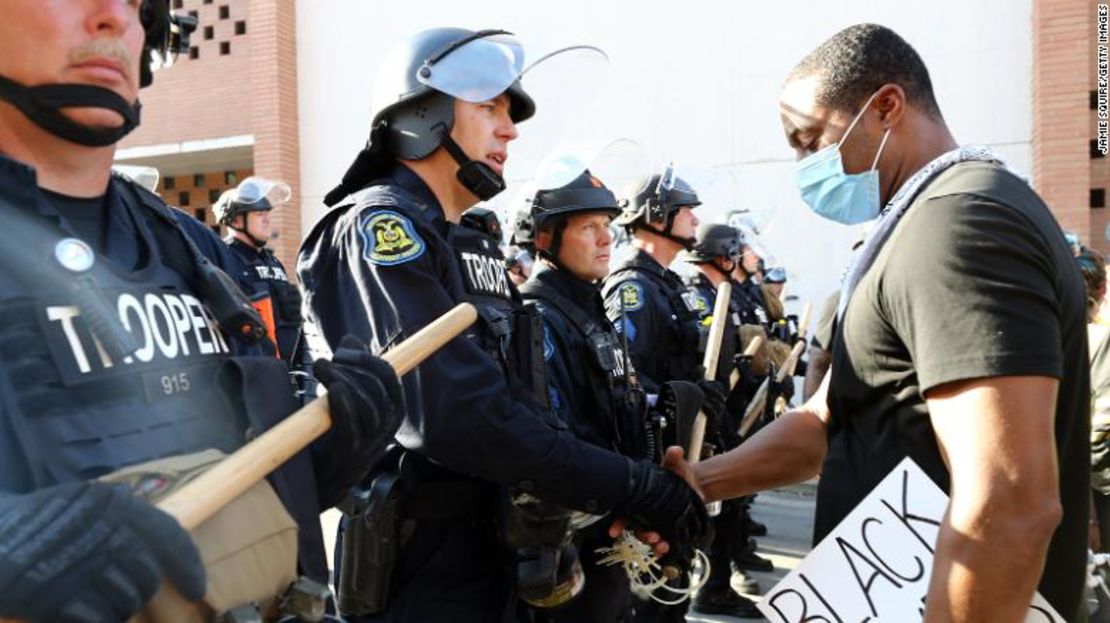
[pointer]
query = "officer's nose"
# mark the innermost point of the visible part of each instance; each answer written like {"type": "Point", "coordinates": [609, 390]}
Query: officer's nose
{"type": "Point", "coordinates": [605, 239]}
{"type": "Point", "coordinates": [110, 17]}
{"type": "Point", "coordinates": [506, 130]}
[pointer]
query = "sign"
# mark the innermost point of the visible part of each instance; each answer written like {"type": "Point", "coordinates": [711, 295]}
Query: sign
{"type": "Point", "coordinates": [875, 565]}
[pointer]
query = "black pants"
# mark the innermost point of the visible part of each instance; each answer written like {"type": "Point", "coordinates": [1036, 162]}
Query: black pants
{"type": "Point", "coordinates": [730, 531]}
{"type": "Point", "coordinates": [448, 570]}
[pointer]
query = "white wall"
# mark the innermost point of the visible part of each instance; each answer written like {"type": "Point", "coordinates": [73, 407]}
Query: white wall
{"type": "Point", "coordinates": [693, 81]}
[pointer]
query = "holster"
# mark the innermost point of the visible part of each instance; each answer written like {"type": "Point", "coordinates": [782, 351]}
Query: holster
{"type": "Point", "coordinates": [370, 544]}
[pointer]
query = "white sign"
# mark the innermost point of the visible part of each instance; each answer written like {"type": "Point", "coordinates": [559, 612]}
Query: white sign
{"type": "Point", "coordinates": [875, 565]}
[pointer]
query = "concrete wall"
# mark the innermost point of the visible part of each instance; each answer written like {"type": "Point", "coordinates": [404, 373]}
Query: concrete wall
{"type": "Point", "coordinates": [693, 81]}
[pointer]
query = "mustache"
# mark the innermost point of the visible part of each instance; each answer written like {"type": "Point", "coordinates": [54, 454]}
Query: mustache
{"type": "Point", "coordinates": [105, 48]}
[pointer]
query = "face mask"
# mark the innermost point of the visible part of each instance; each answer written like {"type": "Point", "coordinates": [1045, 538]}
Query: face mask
{"type": "Point", "coordinates": [42, 105]}
{"type": "Point", "coordinates": [834, 194]}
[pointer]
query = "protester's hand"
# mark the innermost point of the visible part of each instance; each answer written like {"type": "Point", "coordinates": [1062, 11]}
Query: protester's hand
{"type": "Point", "coordinates": [366, 404]}
{"type": "Point", "coordinates": [90, 552]}
{"type": "Point", "coordinates": [658, 500]}
{"type": "Point", "coordinates": [674, 460]}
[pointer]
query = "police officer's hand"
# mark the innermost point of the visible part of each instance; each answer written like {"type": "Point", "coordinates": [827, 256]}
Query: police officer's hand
{"type": "Point", "coordinates": [366, 404]}
{"type": "Point", "coordinates": [713, 402]}
{"type": "Point", "coordinates": [90, 552]}
{"type": "Point", "coordinates": [662, 501]}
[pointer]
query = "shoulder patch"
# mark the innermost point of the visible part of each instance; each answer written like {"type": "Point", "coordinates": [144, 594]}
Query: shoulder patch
{"type": "Point", "coordinates": [389, 238]}
{"type": "Point", "coordinates": [631, 296]}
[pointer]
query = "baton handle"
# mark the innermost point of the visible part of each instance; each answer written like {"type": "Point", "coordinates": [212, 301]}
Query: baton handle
{"type": "Point", "coordinates": [712, 354]}
{"type": "Point", "coordinates": [204, 496]}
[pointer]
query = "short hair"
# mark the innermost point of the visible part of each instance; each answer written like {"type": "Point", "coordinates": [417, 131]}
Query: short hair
{"type": "Point", "coordinates": [1092, 265]}
{"type": "Point", "coordinates": [855, 62]}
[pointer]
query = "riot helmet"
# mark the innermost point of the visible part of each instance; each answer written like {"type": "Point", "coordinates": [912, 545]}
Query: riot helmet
{"type": "Point", "coordinates": [166, 35]}
{"type": "Point", "coordinates": [254, 194]}
{"type": "Point", "coordinates": [714, 240]}
{"type": "Point", "coordinates": [584, 193]}
{"type": "Point", "coordinates": [652, 203]}
{"type": "Point", "coordinates": [414, 105]}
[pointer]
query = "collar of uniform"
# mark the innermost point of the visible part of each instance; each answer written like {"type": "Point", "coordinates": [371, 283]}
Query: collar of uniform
{"type": "Point", "coordinates": [642, 259]}
{"type": "Point", "coordinates": [582, 293]}
{"type": "Point", "coordinates": [232, 241]}
{"type": "Point", "coordinates": [19, 183]}
{"type": "Point", "coordinates": [410, 181]}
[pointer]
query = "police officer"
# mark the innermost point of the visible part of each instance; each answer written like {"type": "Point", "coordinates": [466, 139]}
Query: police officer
{"type": "Point", "coordinates": [112, 349]}
{"type": "Point", "coordinates": [396, 252]}
{"type": "Point", "coordinates": [746, 288]}
{"type": "Point", "coordinates": [245, 211]}
{"type": "Point", "coordinates": [593, 387]}
{"type": "Point", "coordinates": [657, 317]}
{"type": "Point", "coordinates": [715, 254]}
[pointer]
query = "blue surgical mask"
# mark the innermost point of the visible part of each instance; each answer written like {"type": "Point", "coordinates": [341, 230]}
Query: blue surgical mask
{"type": "Point", "coordinates": [834, 194]}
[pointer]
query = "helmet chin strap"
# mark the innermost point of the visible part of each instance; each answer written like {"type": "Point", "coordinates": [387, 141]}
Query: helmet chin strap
{"type": "Point", "coordinates": [42, 104]}
{"type": "Point", "coordinates": [477, 177]}
{"type": "Point", "coordinates": [259, 244]}
{"type": "Point", "coordinates": [687, 243]}
{"type": "Point", "coordinates": [727, 274]}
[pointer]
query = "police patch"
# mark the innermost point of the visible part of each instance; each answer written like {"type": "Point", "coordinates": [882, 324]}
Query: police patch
{"type": "Point", "coordinates": [389, 238]}
{"type": "Point", "coordinates": [701, 304]}
{"type": "Point", "coordinates": [632, 296]}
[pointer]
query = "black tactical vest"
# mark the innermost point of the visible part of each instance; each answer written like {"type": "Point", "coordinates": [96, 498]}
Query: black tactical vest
{"type": "Point", "coordinates": [79, 412]}
{"type": "Point", "coordinates": [609, 372]}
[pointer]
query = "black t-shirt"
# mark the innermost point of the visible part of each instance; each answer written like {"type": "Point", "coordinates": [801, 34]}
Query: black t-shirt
{"type": "Point", "coordinates": [88, 217]}
{"type": "Point", "coordinates": [976, 281]}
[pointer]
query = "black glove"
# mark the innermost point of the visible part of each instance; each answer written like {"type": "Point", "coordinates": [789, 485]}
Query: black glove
{"type": "Point", "coordinates": [713, 404]}
{"type": "Point", "coordinates": [90, 552]}
{"type": "Point", "coordinates": [367, 406]}
{"type": "Point", "coordinates": [659, 500]}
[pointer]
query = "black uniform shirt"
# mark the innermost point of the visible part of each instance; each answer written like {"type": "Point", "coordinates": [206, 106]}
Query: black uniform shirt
{"type": "Point", "coordinates": [660, 319]}
{"type": "Point", "coordinates": [259, 272]}
{"type": "Point", "coordinates": [379, 266]}
{"type": "Point", "coordinates": [574, 374]}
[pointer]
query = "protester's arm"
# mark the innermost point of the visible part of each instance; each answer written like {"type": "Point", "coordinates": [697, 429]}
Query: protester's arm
{"type": "Point", "coordinates": [996, 438]}
{"type": "Point", "coordinates": [789, 450]}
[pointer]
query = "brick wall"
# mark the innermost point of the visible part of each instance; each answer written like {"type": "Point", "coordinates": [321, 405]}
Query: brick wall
{"type": "Point", "coordinates": [196, 193]}
{"type": "Point", "coordinates": [239, 78]}
{"type": "Point", "coordinates": [273, 106]}
{"type": "Point", "coordinates": [202, 97]}
{"type": "Point", "coordinates": [1064, 171]}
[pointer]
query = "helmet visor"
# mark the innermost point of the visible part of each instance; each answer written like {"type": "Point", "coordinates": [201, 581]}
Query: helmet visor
{"type": "Point", "coordinates": [478, 70]}
{"type": "Point", "coordinates": [254, 190]}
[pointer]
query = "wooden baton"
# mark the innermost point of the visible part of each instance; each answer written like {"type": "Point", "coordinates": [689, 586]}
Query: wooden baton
{"type": "Point", "coordinates": [709, 362]}
{"type": "Point", "coordinates": [204, 496]}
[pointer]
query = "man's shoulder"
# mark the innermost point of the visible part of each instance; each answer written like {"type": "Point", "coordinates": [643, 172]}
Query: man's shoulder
{"type": "Point", "coordinates": [971, 184]}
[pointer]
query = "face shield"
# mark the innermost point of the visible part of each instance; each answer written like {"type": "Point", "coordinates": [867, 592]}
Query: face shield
{"type": "Point", "coordinates": [258, 193]}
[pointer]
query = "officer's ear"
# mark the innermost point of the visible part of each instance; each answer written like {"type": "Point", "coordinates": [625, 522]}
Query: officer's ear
{"type": "Point", "coordinates": [544, 237]}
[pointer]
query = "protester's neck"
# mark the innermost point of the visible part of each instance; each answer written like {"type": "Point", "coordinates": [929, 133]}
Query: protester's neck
{"type": "Point", "coordinates": [932, 140]}
{"type": "Point", "coordinates": [662, 250]}
{"type": "Point", "coordinates": [438, 173]}
{"type": "Point", "coordinates": [61, 166]}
